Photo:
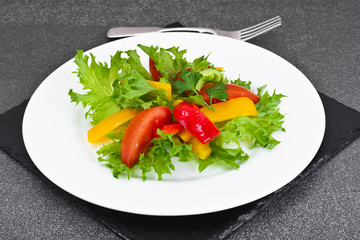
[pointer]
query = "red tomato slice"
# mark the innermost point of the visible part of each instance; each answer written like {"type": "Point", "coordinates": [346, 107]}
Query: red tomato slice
{"type": "Point", "coordinates": [141, 130]}
{"type": "Point", "coordinates": [234, 91]}
{"type": "Point", "coordinates": [155, 74]}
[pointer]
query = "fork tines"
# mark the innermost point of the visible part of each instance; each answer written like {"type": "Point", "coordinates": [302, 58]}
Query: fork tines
{"type": "Point", "coordinates": [258, 29]}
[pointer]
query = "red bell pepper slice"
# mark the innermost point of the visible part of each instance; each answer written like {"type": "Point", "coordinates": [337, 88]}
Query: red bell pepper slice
{"type": "Point", "coordinates": [177, 75]}
{"type": "Point", "coordinates": [172, 128]}
{"type": "Point", "coordinates": [154, 73]}
{"type": "Point", "coordinates": [234, 91]}
{"type": "Point", "coordinates": [193, 120]}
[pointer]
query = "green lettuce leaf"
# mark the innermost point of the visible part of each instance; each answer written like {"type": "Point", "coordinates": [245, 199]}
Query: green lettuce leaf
{"type": "Point", "coordinates": [134, 91]}
{"type": "Point", "coordinates": [256, 131]}
{"type": "Point", "coordinates": [109, 89]}
{"type": "Point", "coordinates": [134, 62]}
{"type": "Point", "coordinates": [201, 64]}
{"type": "Point", "coordinates": [157, 159]}
{"type": "Point", "coordinates": [239, 82]}
{"type": "Point", "coordinates": [189, 82]}
{"type": "Point", "coordinates": [100, 106]}
{"type": "Point", "coordinates": [218, 91]}
{"type": "Point", "coordinates": [97, 80]}
{"type": "Point", "coordinates": [110, 154]}
{"type": "Point", "coordinates": [169, 62]}
{"type": "Point", "coordinates": [209, 75]}
{"type": "Point", "coordinates": [230, 156]}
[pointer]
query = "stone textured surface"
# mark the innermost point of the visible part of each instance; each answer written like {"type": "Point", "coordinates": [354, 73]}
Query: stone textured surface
{"type": "Point", "coordinates": [320, 38]}
{"type": "Point", "coordinates": [30, 209]}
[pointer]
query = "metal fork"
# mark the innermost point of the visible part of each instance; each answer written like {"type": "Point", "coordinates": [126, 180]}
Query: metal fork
{"type": "Point", "coordinates": [243, 34]}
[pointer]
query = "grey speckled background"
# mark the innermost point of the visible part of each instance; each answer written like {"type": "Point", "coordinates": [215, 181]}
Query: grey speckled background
{"type": "Point", "coordinates": [321, 38]}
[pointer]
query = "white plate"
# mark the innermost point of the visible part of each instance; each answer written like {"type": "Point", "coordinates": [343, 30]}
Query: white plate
{"type": "Point", "coordinates": [55, 130]}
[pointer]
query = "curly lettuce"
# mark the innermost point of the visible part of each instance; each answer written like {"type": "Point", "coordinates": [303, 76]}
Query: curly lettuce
{"type": "Point", "coordinates": [108, 88]}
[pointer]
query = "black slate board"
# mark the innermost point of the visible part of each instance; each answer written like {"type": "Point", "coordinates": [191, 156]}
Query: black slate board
{"type": "Point", "coordinates": [342, 128]}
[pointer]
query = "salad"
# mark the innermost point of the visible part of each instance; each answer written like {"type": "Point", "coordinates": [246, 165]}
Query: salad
{"type": "Point", "coordinates": [179, 110]}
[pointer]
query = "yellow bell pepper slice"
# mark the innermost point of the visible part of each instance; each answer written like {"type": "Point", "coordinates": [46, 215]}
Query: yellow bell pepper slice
{"type": "Point", "coordinates": [99, 131]}
{"type": "Point", "coordinates": [203, 150]}
{"type": "Point", "coordinates": [176, 102]}
{"type": "Point", "coordinates": [236, 107]}
{"type": "Point", "coordinates": [185, 135]}
{"type": "Point", "coordinates": [160, 85]}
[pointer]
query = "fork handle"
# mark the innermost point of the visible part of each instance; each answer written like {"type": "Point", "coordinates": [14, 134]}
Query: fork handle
{"type": "Point", "coordinates": [131, 31]}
